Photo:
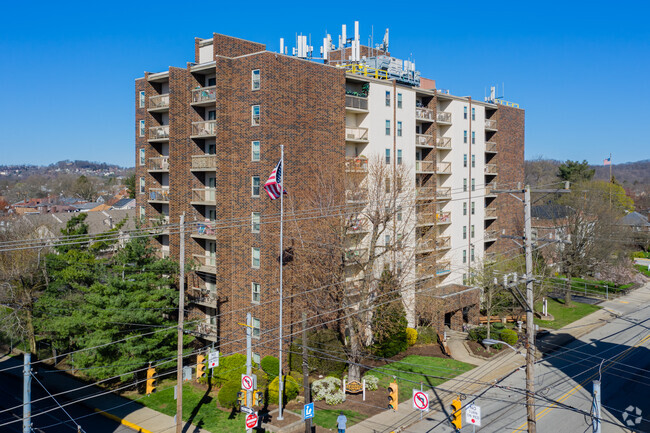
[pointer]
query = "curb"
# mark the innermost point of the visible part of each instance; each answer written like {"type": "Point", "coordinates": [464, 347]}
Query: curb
{"type": "Point", "coordinates": [122, 421]}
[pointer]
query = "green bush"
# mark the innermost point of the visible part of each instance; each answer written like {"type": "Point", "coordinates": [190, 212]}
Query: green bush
{"type": "Point", "coordinates": [230, 369]}
{"type": "Point", "coordinates": [498, 325]}
{"type": "Point", "coordinates": [477, 334]}
{"type": "Point", "coordinates": [509, 336]}
{"type": "Point", "coordinates": [228, 394]}
{"type": "Point", "coordinates": [411, 336]}
{"type": "Point", "coordinates": [291, 389]}
{"type": "Point", "coordinates": [322, 340]}
{"type": "Point", "coordinates": [427, 335]}
{"type": "Point", "coordinates": [389, 328]}
{"type": "Point", "coordinates": [271, 365]}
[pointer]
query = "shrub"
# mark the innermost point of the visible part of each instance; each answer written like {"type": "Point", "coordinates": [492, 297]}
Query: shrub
{"type": "Point", "coordinates": [322, 340]}
{"type": "Point", "coordinates": [337, 398]}
{"type": "Point", "coordinates": [498, 325]}
{"type": "Point", "coordinates": [477, 334]}
{"type": "Point", "coordinates": [372, 382]}
{"type": "Point", "coordinates": [270, 365]}
{"type": "Point", "coordinates": [509, 336]}
{"type": "Point", "coordinates": [291, 389]}
{"type": "Point", "coordinates": [389, 329]}
{"type": "Point", "coordinates": [323, 387]}
{"type": "Point", "coordinates": [230, 369]}
{"type": "Point", "coordinates": [411, 336]}
{"type": "Point", "coordinates": [427, 335]}
{"type": "Point", "coordinates": [228, 394]}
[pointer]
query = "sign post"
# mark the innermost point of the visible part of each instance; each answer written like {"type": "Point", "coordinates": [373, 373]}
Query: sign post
{"type": "Point", "coordinates": [251, 421]}
{"type": "Point", "coordinates": [473, 415]}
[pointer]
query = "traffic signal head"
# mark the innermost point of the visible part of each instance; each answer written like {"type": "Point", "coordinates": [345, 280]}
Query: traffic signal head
{"type": "Point", "coordinates": [241, 398]}
{"type": "Point", "coordinates": [456, 414]}
{"type": "Point", "coordinates": [151, 380]}
{"type": "Point", "coordinates": [200, 366]}
{"type": "Point", "coordinates": [258, 398]}
{"type": "Point", "coordinates": [393, 393]}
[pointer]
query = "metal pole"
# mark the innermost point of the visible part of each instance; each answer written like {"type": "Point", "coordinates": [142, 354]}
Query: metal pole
{"type": "Point", "coordinates": [305, 369]}
{"type": "Point", "coordinates": [27, 393]}
{"type": "Point", "coordinates": [181, 317]}
{"type": "Point", "coordinates": [421, 410]}
{"type": "Point", "coordinates": [596, 407]}
{"type": "Point", "coordinates": [530, 329]}
{"type": "Point", "coordinates": [280, 378]}
{"type": "Point", "coordinates": [249, 358]}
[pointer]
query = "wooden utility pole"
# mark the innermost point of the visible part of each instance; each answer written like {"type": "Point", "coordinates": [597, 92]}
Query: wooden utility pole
{"type": "Point", "coordinates": [181, 317]}
{"type": "Point", "coordinates": [530, 326]}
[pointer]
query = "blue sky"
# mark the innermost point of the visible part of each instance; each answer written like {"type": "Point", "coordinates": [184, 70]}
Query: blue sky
{"type": "Point", "coordinates": [580, 69]}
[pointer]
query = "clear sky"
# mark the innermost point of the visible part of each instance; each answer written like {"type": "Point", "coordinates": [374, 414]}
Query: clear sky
{"type": "Point", "coordinates": [580, 69]}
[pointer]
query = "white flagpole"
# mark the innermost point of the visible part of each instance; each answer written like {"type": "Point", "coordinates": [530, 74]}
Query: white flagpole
{"type": "Point", "coordinates": [280, 379]}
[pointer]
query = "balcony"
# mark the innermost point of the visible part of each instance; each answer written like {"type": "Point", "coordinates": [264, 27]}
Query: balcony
{"type": "Point", "coordinates": [159, 133]}
{"type": "Point", "coordinates": [356, 104]}
{"type": "Point", "coordinates": [491, 169]}
{"type": "Point", "coordinates": [490, 188]}
{"type": "Point", "coordinates": [207, 264]}
{"type": "Point", "coordinates": [158, 164]}
{"type": "Point", "coordinates": [430, 193]}
{"type": "Point", "coordinates": [359, 195]}
{"type": "Point", "coordinates": [205, 230]}
{"type": "Point", "coordinates": [490, 213]}
{"type": "Point", "coordinates": [204, 162]}
{"type": "Point", "coordinates": [424, 114]}
{"type": "Point", "coordinates": [356, 255]}
{"type": "Point", "coordinates": [443, 142]}
{"type": "Point", "coordinates": [358, 135]}
{"type": "Point", "coordinates": [490, 147]}
{"type": "Point", "coordinates": [202, 296]}
{"type": "Point", "coordinates": [432, 243]}
{"type": "Point", "coordinates": [206, 128]}
{"type": "Point", "coordinates": [428, 266]}
{"type": "Point", "coordinates": [159, 195]}
{"type": "Point", "coordinates": [207, 329]}
{"type": "Point", "coordinates": [430, 218]}
{"type": "Point", "coordinates": [443, 118]}
{"type": "Point", "coordinates": [204, 96]}
{"type": "Point", "coordinates": [425, 167]}
{"type": "Point", "coordinates": [159, 103]}
{"type": "Point", "coordinates": [158, 225]}
{"type": "Point", "coordinates": [424, 140]}
{"type": "Point", "coordinates": [443, 168]}
{"type": "Point", "coordinates": [443, 193]}
{"type": "Point", "coordinates": [204, 196]}
{"type": "Point", "coordinates": [491, 235]}
{"type": "Point", "coordinates": [356, 164]}
{"type": "Point", "coordinates": [491, 124]}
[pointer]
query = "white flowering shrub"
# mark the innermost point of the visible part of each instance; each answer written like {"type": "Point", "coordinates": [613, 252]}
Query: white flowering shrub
{"type": "Point", "coordinates": [327, 389]}
{"type": "Point", "coordinates": [372, 382]}
{"type": "Point", "coordinates": [335, 398]}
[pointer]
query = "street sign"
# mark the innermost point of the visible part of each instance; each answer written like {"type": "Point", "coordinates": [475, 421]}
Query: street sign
{"type": "Point", "coordinates": [420, 400]}
{"type": "Point", "coordinates": [213, 359]}
{"type": "Point", "coordinates": [473, 414]}
{"type": "Point", "coordinates": [308, 411]}
{"type": "Point", "coordinates": [251, 420]}
{"type": "Point", "coordinates": [248, 382]}
{"type": "Point", "coordinates": [246, 409]}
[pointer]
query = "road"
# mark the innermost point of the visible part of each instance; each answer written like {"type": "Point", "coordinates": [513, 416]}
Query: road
{"type": "Point", "coordinates": [563, 381]}
{"type": "Point", "coordinates": [55, 421]}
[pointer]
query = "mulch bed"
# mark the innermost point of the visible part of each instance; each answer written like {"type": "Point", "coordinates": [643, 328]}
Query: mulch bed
{"type": "Point", "coordinates": [480, 351]}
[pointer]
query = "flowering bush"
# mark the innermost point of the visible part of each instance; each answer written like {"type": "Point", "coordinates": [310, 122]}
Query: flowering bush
{"type": "Point", "coordinates": [327, 389]}
{"type": "Point", "coordinates": [336, 398]}
{"type": "Point", "coordinates": [372, 382]}
{"type": "Point", "coordinates": [411, 336]}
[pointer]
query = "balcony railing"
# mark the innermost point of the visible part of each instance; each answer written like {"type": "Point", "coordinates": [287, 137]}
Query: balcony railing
{"type": "Point", "coordinates": [433, 243]}
{"type": "Point", "coordinates": [159, 133]}
{"type": "Point", "coordinates": [206, 128]}
{"type": "Point", "coordinates": [490, 188]}
{"type": "Point", "coordinates": [206, 328]}
{"type": "Point", "coordinates": [428, 192]}
{"type": "Point", "coordinates": [428, 266]}
{"type": "Point", "coordinates": [425, 166]}
{"type": "Point", "coordinates": [356, 134]}
{"type": "Point", "coordinates": [207, 263]}
{"type": "Point", "coordinates": [443, 168]}
{"type": "Point", "coordinates": [204, 195]}
{"type": "Point", "coordinates": [160, 163]}
{"type": "Point", "coordinates": [430, 218]}
{"type": "Point", "coordinates": [356, 102]}
{"type": "Point", "coordinates": [490, 212]}
{"type": "Point", "coordinates": [204, 95]}
{"type": "Point", "coordinates": [159, 102]}
{"type": "Point", "coordinates": [206, 229]}
{"type": "Point", "coordinates": [356, 255]}
{"type": "Point", "coordinates": [423, 140]}
{"type": "Point", "coordinates": [158, 225]}
{"type": "Point", "coordinates": [490, 235]}
{"type": "Point", "coordinates": [201, 162]}
{"type": "Point", "coordinates": [159, 194]}
{"type": "Point", "coordinates": [491, 124]}
{"type": "Point", "coordinates": [202, 296]}
{"type": "Point", "coordinates": [490, 169]}
{"type": "Point", "coordinates": [443, 117]}
{"type": "Point", "coordinates": [443, 142]}
{"type": "Point", "coordinates": [490, 146]}
{"type": "Point", "coordinates": [422, 113]}
{"type": "Point", "coordinates": [355, 164]}
{"type": "Point", "coordinates": [443, 193]}
{"type": "Point", "coordinates": [359, 195]}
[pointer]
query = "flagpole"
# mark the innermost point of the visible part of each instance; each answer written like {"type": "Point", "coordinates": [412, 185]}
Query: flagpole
{"type": "Point", "coordinates": [281, 189]}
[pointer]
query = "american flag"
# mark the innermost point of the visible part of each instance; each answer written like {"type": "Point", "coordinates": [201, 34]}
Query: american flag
{"type": "Point", "coordinates": [608, 161]}
{"type": "Point", "coordinates": [274, 184]}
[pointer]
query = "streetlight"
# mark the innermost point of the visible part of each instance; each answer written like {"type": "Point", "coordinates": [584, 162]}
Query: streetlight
{"type": "Point", "coordinates": [491, 341]}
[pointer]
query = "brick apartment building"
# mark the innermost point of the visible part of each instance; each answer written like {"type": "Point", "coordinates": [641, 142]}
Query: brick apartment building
{"type": "Point", "coordinates": [208, 136]}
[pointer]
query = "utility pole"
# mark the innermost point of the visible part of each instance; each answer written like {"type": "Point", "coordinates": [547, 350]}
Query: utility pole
{"type": "Point", "coordinates": [595, 410]}
{"type": "Point", "coordinates": [249, 356]}
{"type": "Point", "coordinates": [305, 369]}
{"type": "Point", "coordinates": [27, 393]}
{"type": "Point", "coordinates": [530, 326]}
{"type": "Point", "coordinates": [181, 317]}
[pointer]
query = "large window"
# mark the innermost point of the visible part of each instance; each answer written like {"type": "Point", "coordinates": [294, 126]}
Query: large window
{"type": "Point", "coordinates": [387, 156]}
{"type": "Point", "coordinates": [464, 112]}
{"type": "Point", "coordinates": [255, 151]}
{"type": "Point", "coordinates": [141, 99]}
{"type": "Point", "coordinates": [473, 208]}
{"type": "Point", "coordinates": [473, 233]}
{"type": "Point", "coordinates": [464, 184]}
{"type": "Point", "coordinates": [399, 129]}
{"type": "Point", "coordinates": [255, 257]}
{"type": "Point", "coordinates": [142, 158]}
{"type": "Point", "coordinates": [388, 127]}
{"type": "Point", "coordinates": [399, 156]}
{"type": "Point", "coordinates": [255, 186]}
{"type": "Point", "coordinates": [473, 137]}
{"type": "Point", "coordinates": [465, 208]}
{"type": "Point", "coordinates": [142, 130]}
{"type": "Point", "coordinates": [387, 98]}
{"type": "Point", "coordinates": [399, 100]}
{"type": "Point", "coordinates": [255, 292]}
{"type": "Point", "coordinates": [473, 159]}
{"type": "Point", "coordinates": [464, 256]}
{"type": "Point", "coordinates": [473, 113]}
{"type": "Point", "coordinates": [255, 79]}
{"type": "Point", "coordinates": [473, 184]}
{"type": "Point", "coordinates": [142, 185]}
{"type": "Point", "coordinates": [255, 222]}
{"type": "Point", "coordinates": [464, 232]}
{"type": "Point", "coordinates": [256, 328]}
{"type": "Point", "coordinates": [255, 115]}
{"type": "Point", "coordinates": [465, 160]}
{"type": "Point", "coordinates": [464, 136]}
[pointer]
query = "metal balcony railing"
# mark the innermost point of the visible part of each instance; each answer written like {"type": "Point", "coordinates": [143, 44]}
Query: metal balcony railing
{"type": "Point", "coordinates": [202, 296]}
{"type": "Point", "coordinates": [204, 194]}
{"type": "Point", "coordinates": [356, 134]}
{"type": "Point", "coordinates": [490, 235]}
{"type": "Point", "coordinates": [422, 113]}
{"type": "Point", "coordinates": [207, 228]}
{"type": "Point", "coordinates": [490, 169]}
{"type": "Point", "coordinates": [204, 162]}
{"type": "Point", "coordinates": [430, 218]}
{"type": "Point", "coordinates": [433, 243]}
{"type": "Point", "coordinates": [158, 163]}
{"type": "Point", "coordinates": [355, 164]}
{"type": "Point", "coordinates": [490, 212]}
{"type": "Point", "coordinates": [206, 261]}
{"type": "Point", "coordinates": [159, 194]}
{"type": "Point", "coordinates": [425, 166]}
{"type": "Point", "coordinates": [206, 128]}
{"type": "Point", "coordinates": [443, 168]}
{"type": "Point", "coordinates": [204, 95]}
{"type": "Point", "coordinates": [158, 102]}
{"type": "Point", "coordinates": [490, 124]}
{"type": "Point", "coordinates": [423, 140]}
{"type": "Point", "coordinates": [490, 146]}
{"type": "Point", "coordinates": [356, 102]}
{"type": "Point", "coordinates": [443, 117]}
{"type": "Point", "coordinates": [159, 132]}
{"type": "Point", "coordinates": [443, 193]}
{"type": "Point", "coordinates": [443, 142]}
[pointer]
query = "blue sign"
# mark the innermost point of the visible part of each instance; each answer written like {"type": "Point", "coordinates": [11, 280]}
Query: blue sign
{"type": "Point", "coordinates": [308, 411]}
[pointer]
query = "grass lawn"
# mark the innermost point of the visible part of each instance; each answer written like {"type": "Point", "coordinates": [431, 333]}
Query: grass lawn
{"type": "Point", "coordinates": [643, 269]}
{"type": "Point", "coordinates": [207, 415]}
{"type": "Point", "coordinates": [415, 369]}
{"type": "Point", "coordinates": [564, 315]}
{"type": "Point", "coordinates": [326, 418]}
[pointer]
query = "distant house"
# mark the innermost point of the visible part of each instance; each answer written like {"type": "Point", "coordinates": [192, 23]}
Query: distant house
{"type": "Point", "coordinates": [125, 203]}
{"type": "Point", "coordinates": [636, 221]}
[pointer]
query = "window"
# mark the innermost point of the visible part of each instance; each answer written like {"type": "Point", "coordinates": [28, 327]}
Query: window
{"type": "Point", "coordinates": [464, 136]}
{"type": "Point", "coordinates": [255, 257]}
{"type": "Point", "coordinates": [142, 128]}
{"type": "Point", "coordinates": [473, 208]}
{"type": "Point", "coordinates": [464, 232]}
{"type": "Point", "coordinates": [387, 240]}
{"type": "Point", "coordinates": [387, 156]}
{"type": "Point", "coordinates": [255, 115]}
{"type": "Point", "coordinates": [255, 79]}
{"type": "Point", "coordinates": [387, 98]}
{"type": "Point", "coordinates": [473, 159]}
{"type": "Point", "coordinates": [142, 156]}
{"type": "Point", "coordinates": [256, 328]}
{"type": "Point", "coordinates": [141, 212]}
{"type": "Point", "coordinates": [142, 185]}
{"type": "Point", "coordinates": [142, 99]}
{"type": "Point", "coordinates": [465, 160]}
{"type": "Point", "coordinates": [399, 100]}
{"type": "Point", "coordinates": [255, 151]}
{"type": "Point", "coordinates": [473, 233]}
{"type": "Point", "coordinates": [465, 185]}
{"type": "Point", "coordinates": [255, 222]}
{"type": "Point", "coordinates": [473, 137]}
{"type": "Point", "coordinates": [387, 185]}
{"type": "Point", "coordinates": [399, 129]}
{"type": "Point", "coordinates": [473, 113]}
{"type": "Point", "coordinates": [472, 254]}
{"type": "Point", "coordinates": [399, 267]}
{"type": "Point", "coordinates": [464, 208]}
{"type": "Point", "coordinates": [399, 156]}
{"type": "Point", "coordinates": [255, 186]}
{"type": "Point", "coordinates": [399, 213]}
{"type": "Point", "coordinates": [212, 115]}
{"type": "Point", "coordinates": [473, 184]}
{"type": "Point", "coordinates": [464, 278]}
{"type": "Point", "coordinates": [464, 256]}
{"type": "Point", "coordinates": [255, 292]}
{"type": "Point", "coordinates": [464, 112]}
{"type": "Point", "coordinates": [388, 127]}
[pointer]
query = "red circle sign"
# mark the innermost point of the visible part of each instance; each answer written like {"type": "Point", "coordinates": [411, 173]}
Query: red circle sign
{"type": "Point", "coordinates": [421, 400]}
{"type": "Point", "coordinates": [247, 382]}
{"type": "Point", "coordinates": [251, 420]}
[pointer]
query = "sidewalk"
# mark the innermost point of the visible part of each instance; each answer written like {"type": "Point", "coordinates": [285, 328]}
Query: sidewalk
{"type": "Point", "coordinates": [120, 409]}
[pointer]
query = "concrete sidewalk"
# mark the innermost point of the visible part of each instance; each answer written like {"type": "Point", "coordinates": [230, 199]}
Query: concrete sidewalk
{"type": "Point", "coordinates": [120, 409]}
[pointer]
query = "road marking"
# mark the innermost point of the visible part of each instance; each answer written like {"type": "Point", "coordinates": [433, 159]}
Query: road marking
{"type": "Point", "coordinates": [568, 394]}
{"type": "Point", "coordinates": [623, 302]}
{"type": "Point", "coordinates": [123, 421]}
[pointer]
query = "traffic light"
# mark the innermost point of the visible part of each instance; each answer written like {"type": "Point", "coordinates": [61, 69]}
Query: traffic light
{"type": "Point", "coordinates": [456, 414]}
{"type": "Point", "coordinates": [200, 366]}
{"type": "Point", "coordinates": [258, 398]}
{"type": "Point", "coordinates": [151, 380]}
{"type": "Point", "coordinates": [241, 398]}
{"type": "Point", "coordinates": [392, 396]}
